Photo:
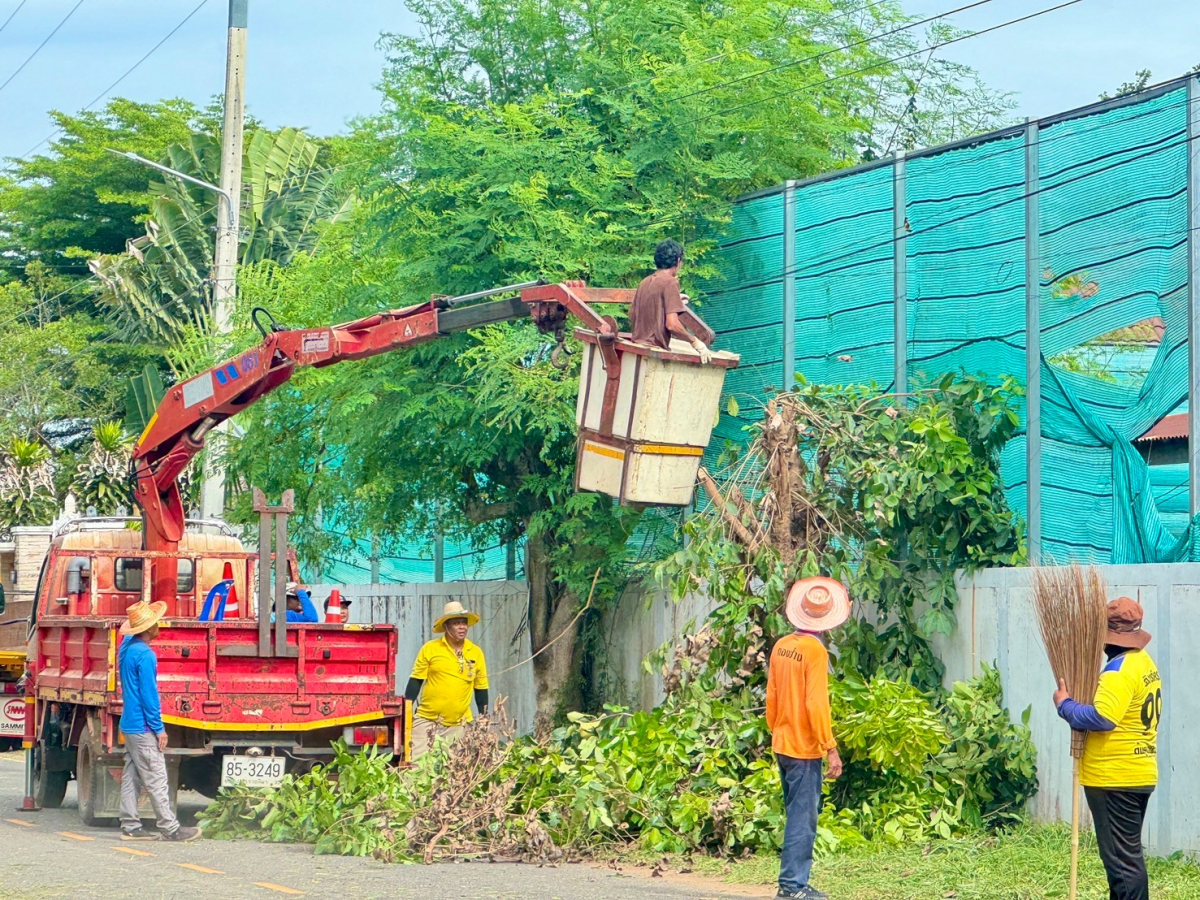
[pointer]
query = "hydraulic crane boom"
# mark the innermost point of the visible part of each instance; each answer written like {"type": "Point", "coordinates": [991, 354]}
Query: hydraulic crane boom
{"type": "Point", "coordinates": [190, 410]}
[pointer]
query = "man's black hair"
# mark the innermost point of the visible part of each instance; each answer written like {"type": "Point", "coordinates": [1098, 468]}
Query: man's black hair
{"type": "Point", "coordinates": [667, 253]}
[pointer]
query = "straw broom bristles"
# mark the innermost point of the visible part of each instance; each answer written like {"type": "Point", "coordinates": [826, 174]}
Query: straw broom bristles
{"type": "Point", "coordinates": [1072, 610]}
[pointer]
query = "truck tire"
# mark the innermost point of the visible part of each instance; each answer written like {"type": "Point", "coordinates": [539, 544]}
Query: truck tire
{"type": "Point", "coordinates": [49, 788]}
{"type": "Point", "coordinates": [89, 784]}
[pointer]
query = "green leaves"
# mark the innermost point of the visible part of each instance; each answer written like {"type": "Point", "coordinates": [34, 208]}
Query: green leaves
{"type": "Point", "coordinates": [695, 774]}
{"type": "Point", "coordinates": [143, 393]}
{"type": "Point", "coordinates": [894, 499]}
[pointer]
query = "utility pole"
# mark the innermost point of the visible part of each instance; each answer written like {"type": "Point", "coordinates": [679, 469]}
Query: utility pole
{"type": "Point", "coordinates": [212, 489]}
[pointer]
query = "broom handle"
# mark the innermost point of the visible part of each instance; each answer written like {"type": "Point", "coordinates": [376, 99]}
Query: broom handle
{"type": "Point", "coordinates": [1074, 828]}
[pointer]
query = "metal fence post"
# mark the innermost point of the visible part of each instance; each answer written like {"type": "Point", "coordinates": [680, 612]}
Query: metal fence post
{"type": "Point", "coordinates": [1033, 348]}
{"type": "Point", "coordinates": [789, 285]}
{"type": "Point", "coordinates": [1193, 243]}
{"type": "Point", "coordinates": [900, 273]}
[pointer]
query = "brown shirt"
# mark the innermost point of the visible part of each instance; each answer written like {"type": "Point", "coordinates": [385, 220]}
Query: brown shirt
{"type": "Point", "coordinates": [657, 295]}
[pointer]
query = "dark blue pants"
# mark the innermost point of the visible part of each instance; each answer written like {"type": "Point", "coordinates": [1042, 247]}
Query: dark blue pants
{"type": "Point", "coordinates": [802, 801]}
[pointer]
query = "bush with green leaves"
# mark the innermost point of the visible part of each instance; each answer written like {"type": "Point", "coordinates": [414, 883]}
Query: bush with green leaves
{"type": "Point", "coordinates": [27, 491]}
{"type": "Point", "coordinates": [102, 480]}
{"type": "Point", "coordinates": [695, 774]}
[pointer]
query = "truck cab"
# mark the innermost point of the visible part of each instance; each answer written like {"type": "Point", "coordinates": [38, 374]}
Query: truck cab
{"type": "Point", "coordinates": [236, 708]}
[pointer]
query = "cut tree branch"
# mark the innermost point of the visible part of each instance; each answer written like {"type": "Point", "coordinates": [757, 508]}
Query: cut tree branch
{"type": "Point", "coordinates": [748, 539]}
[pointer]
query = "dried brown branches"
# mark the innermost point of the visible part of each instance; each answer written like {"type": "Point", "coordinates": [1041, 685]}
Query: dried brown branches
{"type": "Point", "coordinates": [791, 514]}
{"type": "Point", "coordinates": [1071, 604]}
{"type": "Point", "coordinates": [464, 816]}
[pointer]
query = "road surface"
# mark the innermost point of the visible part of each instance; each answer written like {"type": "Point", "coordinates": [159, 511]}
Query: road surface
{"type": "Point", "coordinates": [51, 854]}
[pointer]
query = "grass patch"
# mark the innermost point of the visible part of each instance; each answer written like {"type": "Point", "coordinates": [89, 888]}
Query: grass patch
{"type": "Point", "coordinates": [1029, 863]}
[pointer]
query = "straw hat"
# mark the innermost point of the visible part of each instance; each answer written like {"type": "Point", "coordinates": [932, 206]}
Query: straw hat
{"type": "Point", "coordinates": [142, 616]}
{"type": "Point", "coordinates": [454, 610]}
{"type": "Point", "coordinates": [817, 604]}
{"type": "Point", "coordinates": [1125, 625]}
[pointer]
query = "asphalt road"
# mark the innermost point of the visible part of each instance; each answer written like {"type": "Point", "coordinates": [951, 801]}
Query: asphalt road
{"type": "Point", "coordinates": [50, 854]}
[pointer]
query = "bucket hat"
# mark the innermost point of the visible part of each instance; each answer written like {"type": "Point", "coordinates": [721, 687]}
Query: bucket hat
{"type": "Point", "coordinates": [1125, 625]}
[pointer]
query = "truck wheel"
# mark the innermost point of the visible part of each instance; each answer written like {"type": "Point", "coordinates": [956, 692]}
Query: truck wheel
{"type": "Point", "coordinates": [49, 788]}
{"type": "Point", "coordinates": [89, 780]}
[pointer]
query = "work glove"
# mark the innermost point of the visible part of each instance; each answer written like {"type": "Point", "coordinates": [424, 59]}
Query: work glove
{"type": "Point", "coordinates": [705, 354]}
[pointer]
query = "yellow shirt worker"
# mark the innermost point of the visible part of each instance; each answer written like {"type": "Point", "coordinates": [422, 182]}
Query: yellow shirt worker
{"type": "Point", "coordinates": [449, 670]}
{"type": "Point", "coordinates": [1120, 757]}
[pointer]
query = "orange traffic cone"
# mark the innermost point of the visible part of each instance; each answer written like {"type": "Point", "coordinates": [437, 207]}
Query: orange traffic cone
{"type": "Point", "coordinates": [231, 602]}
{"type": "Point", "coordinates": [333, 608]}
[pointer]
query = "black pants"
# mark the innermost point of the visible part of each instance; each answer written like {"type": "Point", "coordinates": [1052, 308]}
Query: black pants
{"type": "Point", "coordinates": [1118, 816]}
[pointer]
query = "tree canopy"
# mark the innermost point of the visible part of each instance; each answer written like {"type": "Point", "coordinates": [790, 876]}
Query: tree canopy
{"type": "Point", "coordinates": [76, 199]}
{"type": "Point", "coordinates": [558, 139]}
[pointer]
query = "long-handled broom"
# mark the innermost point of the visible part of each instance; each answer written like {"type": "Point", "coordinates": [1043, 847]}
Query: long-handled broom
{"type": "Point", "coordinates": [1072, 611]}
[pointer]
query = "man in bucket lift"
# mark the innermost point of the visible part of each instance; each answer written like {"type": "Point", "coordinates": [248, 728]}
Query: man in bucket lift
{"type": "Point", "coordinates": [657, 303]}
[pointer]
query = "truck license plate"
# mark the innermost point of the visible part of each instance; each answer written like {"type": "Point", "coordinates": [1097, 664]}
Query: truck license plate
{"type": "Point", "coordinates": [252, 771]}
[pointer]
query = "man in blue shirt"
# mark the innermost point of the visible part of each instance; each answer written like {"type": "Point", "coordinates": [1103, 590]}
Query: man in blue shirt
{"type": "Point", "coordinates": [143, 730]}
{"type": "Point", "coordinates": [299, 605]}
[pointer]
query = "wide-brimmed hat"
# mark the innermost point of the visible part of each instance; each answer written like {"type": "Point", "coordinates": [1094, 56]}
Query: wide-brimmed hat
{"type": "Point", "coordinates": [1125, 625]}
{"type": "Point", "coordinates": [817, 604]}
{"type": "Point", "coordinates": [143, 616]}
{"type": "Point", "coordinates": [454, 610]}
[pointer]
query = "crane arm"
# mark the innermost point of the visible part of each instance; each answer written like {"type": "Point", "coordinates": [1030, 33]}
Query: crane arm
{"type": "Point", "coordinates": [190, 410]}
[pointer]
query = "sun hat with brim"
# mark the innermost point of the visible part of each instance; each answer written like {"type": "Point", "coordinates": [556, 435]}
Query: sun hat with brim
{"type": "Point", "coordinates": [143, 616]}
{"type": "Point", "coordinates": [1125, 625]}
{"type": "Point", "coordinates": [817, 604]}
{"type": "Point", "coordinates": [454, 610]}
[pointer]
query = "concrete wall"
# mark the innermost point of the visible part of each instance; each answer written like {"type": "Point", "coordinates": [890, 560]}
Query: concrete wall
{"type": "Point", "coordinates": [640, 624]}
{"type": "Point", "coordinates": [997, 625]}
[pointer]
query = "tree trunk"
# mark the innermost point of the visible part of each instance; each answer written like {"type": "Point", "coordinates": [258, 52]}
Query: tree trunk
{"type": "Point", "coordinates": [553, 635]}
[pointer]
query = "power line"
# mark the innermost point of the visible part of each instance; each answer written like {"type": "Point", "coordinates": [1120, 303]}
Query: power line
{"type": "Point", "coordinates": [12, 15]}
{"type": "Point", "coordinates": [1008, 134]}
{"type": "Point", "coordinates": [29, 58]}
{"type": "Point", "coordinates": [1024, 195]}
{"type": "Point", "coordinates": [823, 54]}
{"type": "Point", "coordinates": [104, 93]}
{"type": "Point", "coordinates": [882, 63]}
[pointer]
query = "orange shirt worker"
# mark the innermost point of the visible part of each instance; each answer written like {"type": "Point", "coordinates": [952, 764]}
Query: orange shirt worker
{"type": "Point", "coordinates": [801, 726]}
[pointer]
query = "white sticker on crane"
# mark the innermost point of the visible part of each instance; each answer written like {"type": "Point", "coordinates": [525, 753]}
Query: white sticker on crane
{"type": "Point", "coordinates": [197, 390]}
{"type": "Point", "coordinates": [314, 342]}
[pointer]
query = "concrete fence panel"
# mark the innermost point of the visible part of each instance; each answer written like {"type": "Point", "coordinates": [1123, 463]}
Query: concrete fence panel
{"type": "Point", "coordinates": [997, 625]}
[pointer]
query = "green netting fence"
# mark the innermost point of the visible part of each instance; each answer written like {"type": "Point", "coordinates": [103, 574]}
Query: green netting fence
{"type": "Point", "coordinates": [1070, 231]}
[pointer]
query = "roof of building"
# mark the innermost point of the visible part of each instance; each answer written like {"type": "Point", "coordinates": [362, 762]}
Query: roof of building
{"type": "Point", "coordinates": [1171, 428]}
{"type": "Point", "coordinates": [1147, 331]}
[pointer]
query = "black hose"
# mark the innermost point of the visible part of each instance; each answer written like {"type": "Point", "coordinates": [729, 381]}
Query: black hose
{"type": "Point", "coordinates": [275, 326]}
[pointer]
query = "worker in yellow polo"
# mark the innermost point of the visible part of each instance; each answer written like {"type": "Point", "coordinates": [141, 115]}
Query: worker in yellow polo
{"type": "Point", "coordinates": [449, 671]}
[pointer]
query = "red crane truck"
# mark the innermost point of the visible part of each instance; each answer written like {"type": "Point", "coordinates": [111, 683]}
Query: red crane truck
{"type": "Point", "coordinates": [244, 699]}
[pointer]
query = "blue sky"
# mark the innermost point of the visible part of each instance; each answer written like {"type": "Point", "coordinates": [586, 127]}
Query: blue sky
{"type": "Point", "coordinates": [314, 63]}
